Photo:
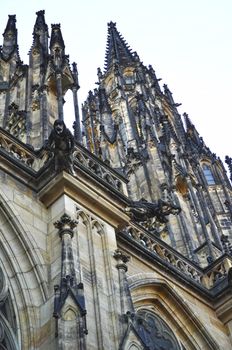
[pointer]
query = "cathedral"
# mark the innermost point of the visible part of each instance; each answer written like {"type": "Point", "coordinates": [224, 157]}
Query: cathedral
{"type": "Point", "coordinates": [116, 234]}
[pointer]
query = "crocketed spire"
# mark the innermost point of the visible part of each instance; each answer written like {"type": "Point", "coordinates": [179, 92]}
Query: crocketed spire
{"type": "Point", "coordinates": [117, 49]}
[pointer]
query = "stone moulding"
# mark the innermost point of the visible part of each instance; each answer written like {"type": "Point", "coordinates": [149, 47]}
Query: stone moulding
{"type": "Point", "coordinates": [105, 204]}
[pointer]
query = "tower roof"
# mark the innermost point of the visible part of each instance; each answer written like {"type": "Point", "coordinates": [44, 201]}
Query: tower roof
{"type": "Point", "coordinates": [117, 49]}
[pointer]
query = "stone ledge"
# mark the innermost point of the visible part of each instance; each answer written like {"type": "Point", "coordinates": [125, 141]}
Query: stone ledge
{"type": "Point", "coordinates": [103, 203]}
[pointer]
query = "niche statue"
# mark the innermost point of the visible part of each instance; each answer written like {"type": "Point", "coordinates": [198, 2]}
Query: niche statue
{"type": "Point", "coordinates": [61, 144]}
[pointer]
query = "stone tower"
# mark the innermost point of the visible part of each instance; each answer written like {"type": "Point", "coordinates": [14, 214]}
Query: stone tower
{"type": "Point", "coordinates": [115, 237]}
{"type": "Point", "coordinates": [32, 95]}
{"type": "Point", "coordinates": [136, 128]}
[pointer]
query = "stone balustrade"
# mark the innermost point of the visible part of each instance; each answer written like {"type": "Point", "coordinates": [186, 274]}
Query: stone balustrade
{"type": "Point", "coordinates": [217, 272]}
{"type": "Point", "coordinates": [15, 149]}
{"type": "Point", "coordinates": [101, 170]}
{"type": "Point", "coordinates": [38, 159]}
{"type": "Point", "coordinates": [207, 277]}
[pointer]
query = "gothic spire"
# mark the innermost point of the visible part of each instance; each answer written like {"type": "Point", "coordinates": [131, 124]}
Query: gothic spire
{"type": "Point", "coordinates": [40, 36]}
{"type": "Point", "coordinates": [10, 27]}
{"type": "Point", "coordinates": [10, 44]}
{"type": "Point", "coordinates": [169, 96]}
{"type": "Point", "coordinates": [188, 122]}
{"type": "Point", "coordinates": [117, 50]}
{"type": "Point", "coordinates": [192, 131]}
{"type": "Point", "coordinates": [40, 24]}
{"type": "Point", "coordinates": [56, 37]}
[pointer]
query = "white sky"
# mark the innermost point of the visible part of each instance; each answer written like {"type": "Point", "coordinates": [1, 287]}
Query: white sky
{"type": "Point", "coordinates": [188, 43]}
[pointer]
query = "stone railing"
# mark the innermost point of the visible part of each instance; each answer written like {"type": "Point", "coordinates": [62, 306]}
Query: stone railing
{"type": "Point", "coordinates": [163, 252]}
{"type": "Point", "coordinates": [16, 150]}
{"type": "Point", "coordinates": [99, 169]}
{"type": "Point", "coordinates": [37, 160]}
{"type": "Point", "coordinates": [20, 152]}
{"type": "Point", "coordinates": [217, 271]}
{"type": "Point", "coordinates": [207, 278]}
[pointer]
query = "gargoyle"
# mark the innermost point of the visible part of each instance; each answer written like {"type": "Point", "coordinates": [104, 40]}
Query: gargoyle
{"type": "Point", "coordinates": [61, 145]}
{"type": "Point", "coordinates": [151, 213]}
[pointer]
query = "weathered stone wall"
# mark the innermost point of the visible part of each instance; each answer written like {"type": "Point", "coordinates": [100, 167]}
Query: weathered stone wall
{"type": "Point", "coordinates": [32, 260]}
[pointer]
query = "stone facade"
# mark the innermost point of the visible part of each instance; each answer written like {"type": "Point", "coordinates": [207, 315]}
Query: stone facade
{"type": "Point", "coordinates": [129, 247]}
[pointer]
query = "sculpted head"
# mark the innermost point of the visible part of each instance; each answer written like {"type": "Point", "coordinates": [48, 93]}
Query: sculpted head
{"type": "Point", "coordinates": [59, 127]}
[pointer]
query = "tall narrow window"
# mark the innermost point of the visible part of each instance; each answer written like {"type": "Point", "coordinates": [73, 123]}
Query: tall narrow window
{"type": "Point", "coordinates": [208, 174]}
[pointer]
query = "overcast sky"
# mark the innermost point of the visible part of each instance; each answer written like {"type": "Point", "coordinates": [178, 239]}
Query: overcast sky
{"type": "Point", "coordinates": [188, 43]}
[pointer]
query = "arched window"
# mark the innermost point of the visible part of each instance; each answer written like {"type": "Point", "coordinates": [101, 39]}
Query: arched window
{"type": "Point", "coordinates": [8, 327]}
{"type": "Point", "coordinates": [208, 174]}
{"type": "Point", "coordinates": [155, 333]}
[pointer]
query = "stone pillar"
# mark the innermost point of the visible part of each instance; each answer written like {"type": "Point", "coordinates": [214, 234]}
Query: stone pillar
{"type": "Point", "coordinates": [44, 112]}
{"type": "Point", "coordinates": [59, 96]}
{"type": "Point", "coordinates": [77, 126]}
{"type": "Point", "coordinates": [125, 295]}
{"type": "Point", "coordinates": [70, 321]}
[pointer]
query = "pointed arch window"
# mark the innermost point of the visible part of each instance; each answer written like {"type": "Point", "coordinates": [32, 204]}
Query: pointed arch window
{"type": "Point", "coordinates": [8, 327]}
{"type": "Point", "coordinates": [154, 332]}
{"type": "Point", "coordinates": [208, 174]}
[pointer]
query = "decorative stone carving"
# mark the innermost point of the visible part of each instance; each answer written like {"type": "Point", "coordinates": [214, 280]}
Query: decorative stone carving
{"type": "Point", "coordinates": [69, 301]}
{"type": "Point", "coordinates": [149, 213]}
{"type": "Point", "coordinates": [65, 224]}
{"type": "Point", "coordinates": [118, 255]}
{"type": "Point", "coordinates": [35, 104]}
{"type": "Point", "coordinates": [61, 145]}
{"type": "Point", "coordinates": [122, 259]}
{"type": "Point", "coordinates": [16, 122]}
{"type": "Point", "coordinates": [162, 252]}
{"type": "Point", "coordinates": [87, 161]}
{"type": "Point", "coordinates": [133, 161]}
{"type": "Point", "coordinates": [227, 246]}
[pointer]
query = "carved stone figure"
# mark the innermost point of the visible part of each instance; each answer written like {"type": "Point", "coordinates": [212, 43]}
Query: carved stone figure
{"type": "Point", "coordinates": [143, 211]}
{"type": "Point", "coordinates": [61, 145]}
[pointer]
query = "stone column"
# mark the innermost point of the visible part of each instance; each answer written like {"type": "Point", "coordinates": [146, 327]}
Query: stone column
{"type": "Point", "coordinates": [44, 112]}
{"type": "Point", "coordinates": [70, 322]}
{"type": "Point", "coordinates": [125, 295]}
{"type": "Point", "coordinates": [77, 126]}
{"type": "Point", "coordinates": [59, 95]}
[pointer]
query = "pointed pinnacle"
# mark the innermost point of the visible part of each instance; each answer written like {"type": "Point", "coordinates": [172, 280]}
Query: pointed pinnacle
{"type": "Point", "coordinates": [117, 49]}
